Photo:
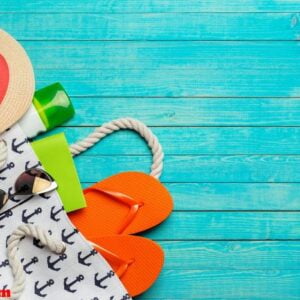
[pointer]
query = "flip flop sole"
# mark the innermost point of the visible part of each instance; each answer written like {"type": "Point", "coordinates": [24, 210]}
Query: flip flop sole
{"type": "Point", "coordinates": [105, 215]}
{"type": "Point", "coordinates": [145, 260]}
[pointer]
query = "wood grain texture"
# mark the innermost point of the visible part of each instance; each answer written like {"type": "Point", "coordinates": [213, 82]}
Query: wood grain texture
{"type": "Point", "coordinates": [224, 255]}
{"type": "Point", "coordinates": [68, 55]}
{"type": "Point", "coordinates": [148, 26]}
{"type": "Point", "coordinates": [176, 83]}
{"type": "Point", "coordinates": [218, 82]}
{"type": "Point", "coordinates": [226, 284]}
{"type": "Point", "coordinates": [150, 6]}
{"type": "Point", "coordinates": [202, 168]}
{"type": "Point", "coordinates": [197, 140]}
{"type": "Point", "coordinates": [228, 226]}
{"type": "Point", "coordinates": [233, 196]}
{"type": "Point", "coordinates": [177, 111]}
{"type": "Point", "coordinates": [194, 69]}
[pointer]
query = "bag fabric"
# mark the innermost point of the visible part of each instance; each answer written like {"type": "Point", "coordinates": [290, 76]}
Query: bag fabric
{"type": "Point", "coordinates": [79, 273]}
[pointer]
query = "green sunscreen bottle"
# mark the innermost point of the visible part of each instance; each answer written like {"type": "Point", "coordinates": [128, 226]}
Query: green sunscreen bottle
{"type": "Point", "coordinates": [51, 107]}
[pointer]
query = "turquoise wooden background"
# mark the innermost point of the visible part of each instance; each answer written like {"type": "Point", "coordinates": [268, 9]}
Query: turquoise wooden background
{"type": "Point", "coordinates": [219, 83]}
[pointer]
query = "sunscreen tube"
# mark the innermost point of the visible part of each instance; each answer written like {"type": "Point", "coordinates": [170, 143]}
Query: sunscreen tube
{"type": "Point", "coordinates": [51, 107]}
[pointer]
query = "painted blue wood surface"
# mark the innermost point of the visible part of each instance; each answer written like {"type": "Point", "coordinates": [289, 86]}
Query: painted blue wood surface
{"type": "Point", "coordinates": [176, 83]}
{"type": "Point", "coordinates": [233, 255]}
{"type": "Point", "coordinates": [233, 196]}
{"type": "Point", "coordinates": [219, 83]}
{"type": "Point", "coordinates": [150, 6]}
{"type": "Point", "coordinates": [163, 55]}
{"type": "Point", "coordinates": [148, 26]}
{"type": "Point", "coordinates": [202, 168]}
{"type": "Point", "coordinates": [177, 111]}
{"type": "Point", "coordinates": [197, 140]}
{"type": "Point", "coordinates": [226, 284]}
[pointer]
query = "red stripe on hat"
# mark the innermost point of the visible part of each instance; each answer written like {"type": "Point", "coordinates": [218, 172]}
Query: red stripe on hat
{"type": "Point", "coordinates": [4, 77]}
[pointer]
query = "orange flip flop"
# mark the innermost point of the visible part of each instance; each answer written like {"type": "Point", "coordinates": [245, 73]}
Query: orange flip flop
{"type": "Point", "coordinates": [136, 260]}
{"type": "Point", "coordinates": [125, 203]}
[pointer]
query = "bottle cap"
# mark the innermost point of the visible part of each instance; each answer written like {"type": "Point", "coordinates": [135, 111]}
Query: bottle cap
{"type": "Point", "coordinates": [53, 105]}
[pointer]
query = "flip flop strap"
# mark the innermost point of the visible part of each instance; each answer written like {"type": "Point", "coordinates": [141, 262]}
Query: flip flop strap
{"type": "Point", "coordinates": [109, 255]}
{"type": "Point", "coordinates": [124, 123]}
{"type": "Point", "coordinates": [133, 204]}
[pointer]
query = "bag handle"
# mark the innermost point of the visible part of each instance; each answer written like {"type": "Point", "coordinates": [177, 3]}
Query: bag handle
{"type": "Point", "coordinates": [124, 123]}
{"type": "Point", "coordinates": [13, 242]}
{"type": "Point", "coordinates": [106, 129]}
{"type": "Point", "coordinates": [3, 153]}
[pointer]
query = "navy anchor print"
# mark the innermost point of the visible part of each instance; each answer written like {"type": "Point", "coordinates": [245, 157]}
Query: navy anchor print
{"type": "Point", "coordinates": [82, 259]}
{"type": "Point", "coordinates": [28, 167]}
{"type": "Point", "coordinates": [68, 286]}
{"type": "Point", "coordinates": [54, 213]}
{"type": "Point", "coordinates": [39, 290]}
{"type": "Point", "coordinates": [4, 263]}
{"type": "Point", "coordinates": [79, 273]}
{"type": "Point", "coordinates": [7, 214]}
{"type": "Point", "coordinates": [26, 266]}
{"type": "Point", "coordinates": [67, 237]}
{"type": "Point", "coordinates": [52, 262]}
{"type": "Point", "coordinates": [100, 281]}
{"type": "Point", "coordinates": [17, 147]}
{"type": "Point", "coordinates": [9, 166]}
{"type": "Point", "coordinates": [27, 217]}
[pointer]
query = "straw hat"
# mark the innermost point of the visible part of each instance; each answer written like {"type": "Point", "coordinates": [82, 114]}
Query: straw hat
{"type": "Point", "coordinates": [16, 81]}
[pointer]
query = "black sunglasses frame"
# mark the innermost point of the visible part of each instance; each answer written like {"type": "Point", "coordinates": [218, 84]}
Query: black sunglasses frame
{"type": "Point", "coordinates": [30, 195]}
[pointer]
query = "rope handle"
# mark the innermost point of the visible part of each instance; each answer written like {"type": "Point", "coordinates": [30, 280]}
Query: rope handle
{"type": "Point", "coordinates": [3, 153]}
{"type": "Point", "coordinates": [124, 123]}
{"type": "Point", "coordinates": [13, 242]}
{"type": "Point", "coordinates": [77, 148]}
{"type": "Point", "coordinates": [103, 131]}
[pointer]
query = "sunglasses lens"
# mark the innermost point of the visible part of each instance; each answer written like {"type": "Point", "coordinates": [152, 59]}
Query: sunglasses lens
{"type": "Point", "coordinates": [34, 182]}
{"type": "Point", "coordinates": [3, 198]}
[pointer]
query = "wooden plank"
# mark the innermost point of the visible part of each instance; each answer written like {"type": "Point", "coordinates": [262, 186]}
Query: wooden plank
{"type": "Point", "coordinates": [176, 83]}
{"type": "Point", "coordinates": [225, 284]}
{"type": "Point", "coordinates": [214, 168]}
{"type": "Point", "coordinates": [196, 140]}
{"type": "Point", "coordinates": [72, 55]}
{"type": "Point", "coordinates": [147, 26]}
{"type": "Point", "coordinates": [178, 112]}
{"type": "Point", "coordinates": [149, 6]}
{"type": "Point", "coordinates": [233, 196]}
{"type": "Point", "coordinates": [228, 226]}
{"type": "Point", "coordinates": [194, 269]}
{"type": "Point", "coordinates": [225, 255]}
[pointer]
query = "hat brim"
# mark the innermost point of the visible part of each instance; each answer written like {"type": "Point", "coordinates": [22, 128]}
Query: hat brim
{"type": "Point", "coordinates": [21, 85]}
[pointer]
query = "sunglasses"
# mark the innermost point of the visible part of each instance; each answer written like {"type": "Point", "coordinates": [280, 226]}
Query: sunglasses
{"type": "Point", "coordinates": [30, 183]}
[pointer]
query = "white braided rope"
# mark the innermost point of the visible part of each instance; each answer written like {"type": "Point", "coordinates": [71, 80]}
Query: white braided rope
{"type": "Point", "coordinates": [3, 153]}
{"type": "Point", "coordinates": [77, 148]}
{"type": "Point", "coordinates": [124, 123]}
{"type": "Point", "coordinates": [14, 259]}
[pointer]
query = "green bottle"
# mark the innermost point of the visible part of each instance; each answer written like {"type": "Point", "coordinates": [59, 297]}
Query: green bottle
{"type": "Point", "coordinates": [51, 107]}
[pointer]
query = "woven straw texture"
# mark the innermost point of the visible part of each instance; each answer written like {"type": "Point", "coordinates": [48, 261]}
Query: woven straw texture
{"type": "Point", "coordinates": [21, 81]}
